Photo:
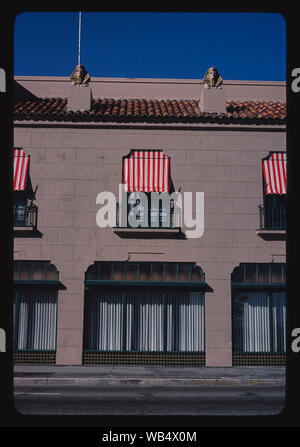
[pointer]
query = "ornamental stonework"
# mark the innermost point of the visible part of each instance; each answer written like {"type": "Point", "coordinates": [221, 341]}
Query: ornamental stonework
{"type": "Point", "coordinates": [212, 79]}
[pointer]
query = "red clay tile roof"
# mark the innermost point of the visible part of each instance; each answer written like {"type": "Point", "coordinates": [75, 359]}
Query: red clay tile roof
{"type": "Point", "coordinates": [150, 110]}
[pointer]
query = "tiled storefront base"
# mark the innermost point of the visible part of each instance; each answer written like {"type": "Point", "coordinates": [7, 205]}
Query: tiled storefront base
{"type": "Point", "coordinates": [37, 357]}
{"type": "Point", "coordinates": [262, 359]}
{"type": "Point", "coordinates": [150, 358]}
{"type": "Point", "coordinates": [144, 358]}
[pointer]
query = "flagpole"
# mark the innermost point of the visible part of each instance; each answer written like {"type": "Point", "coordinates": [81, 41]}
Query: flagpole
{"type": "Point", "coordinates": [79, 37]}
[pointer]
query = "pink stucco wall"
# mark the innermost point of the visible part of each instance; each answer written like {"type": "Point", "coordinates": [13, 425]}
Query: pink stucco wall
{"type": "Point", "coordinates": [71, 164]}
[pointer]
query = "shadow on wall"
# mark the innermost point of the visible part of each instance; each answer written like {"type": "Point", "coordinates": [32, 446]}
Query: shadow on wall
{"type": "Point", "coordinates": [20, 92]}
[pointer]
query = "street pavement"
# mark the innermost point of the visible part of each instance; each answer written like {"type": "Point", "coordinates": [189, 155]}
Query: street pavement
{"type": "Point", "coordinates": [148, 390]}
{"type": "Point", "coordinates": [130, 400]}
{"type": "Point", "coordinates": [143, 375]}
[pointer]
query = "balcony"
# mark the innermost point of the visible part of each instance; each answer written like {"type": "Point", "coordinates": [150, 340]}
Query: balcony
{"type": "Point", "coordinates": [25, 216]}
{"type": "Point", "coordinates": [158, 225]}
{"type": "Point", "coordinates": [25, 219]}
{"type": "Point", "coordinates": [272, 220]}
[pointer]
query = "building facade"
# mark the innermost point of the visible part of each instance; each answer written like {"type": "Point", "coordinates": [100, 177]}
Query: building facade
{"type": "Point", "coordinates": [143, 289]}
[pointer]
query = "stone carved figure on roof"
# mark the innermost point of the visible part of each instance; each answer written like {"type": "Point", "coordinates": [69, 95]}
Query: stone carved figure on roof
{"type": "Point", "coordinates": [212, 79]}
{"type": "Point", "coordinates": [80, 76]}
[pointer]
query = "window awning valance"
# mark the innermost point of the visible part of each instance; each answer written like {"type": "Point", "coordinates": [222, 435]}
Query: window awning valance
{"type": "Point", "coordinates": [274, 170]}
{"type": "Point", "coordinates": [21, 168]}
{"type": "Point", "coordinates": [146, 171]}
{"type": "Point", "coordinates": [149, 273]}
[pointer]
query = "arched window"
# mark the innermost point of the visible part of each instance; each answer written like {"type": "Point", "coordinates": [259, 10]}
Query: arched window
{"type": "Point", "coordinates": [136, 307]}
{"type": "Point", "coordinates": [259, 313]}
{"type": "Point", "coordinates": [36, 286]}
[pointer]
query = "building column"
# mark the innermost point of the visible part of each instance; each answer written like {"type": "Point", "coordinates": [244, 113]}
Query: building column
{"type": "Point", "coordinates": [70, 314]}
{"type": "Point", "coordinates": [218, 324]}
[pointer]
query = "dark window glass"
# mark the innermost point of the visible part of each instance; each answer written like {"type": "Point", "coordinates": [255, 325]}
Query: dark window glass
{"type": "Point", "coordinates": [251, 273]}
{"type": "Point", "coordinates": [155, 214]}
{"type": "Point", "coordinates": [264, 273]}
{"type": "Point", "coordinates": [158, 272]}
{"type": "Point", "coordinates": [275, 211]}
{"type": "Point", "coordinates": [20, 212]}
{"type": "Point", "coordinates": [105, 271]}
{"type": "Point", "coordinates": [91, 273]}
{"type": "Point", "coordinates": [131, 272]}
{"type": "Point", "coordinates": [184, 272]}
{"type": "Point", "coordinates": [277, 273]}
{"type": "Point", "coordinates": [197, 274]}
{"type": "Point", "coordinates": [145, 272]}
{"type": "Point", "coordinates": [118, 272]}
{"type": "Point", "coordinates": [171, 272]}
{"type": "Point", "coordinates": [52, 273]}
{"type": "Point", "coordinates": [283, 273]}
{"type": "Point", "coordinates": [26, 270]}
{"type": "Point", "coordinates": [16, 270]}
{"type": "Point", "coordinates": [238, 274]}
{"type": "Point", "coordinates": [39, 270]}
{"type": "Point", "coordinates": [136, 209]}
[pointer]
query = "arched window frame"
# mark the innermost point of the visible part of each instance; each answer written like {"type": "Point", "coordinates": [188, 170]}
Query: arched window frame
{"type": "Point", "coordinates": [269, 278]}
{"type": "Point", "coordinates": [36, 276]}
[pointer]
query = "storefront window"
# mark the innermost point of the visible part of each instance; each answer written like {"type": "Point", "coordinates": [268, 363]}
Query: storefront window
{"type": "Point", "coordinates": [136, 317]}
{"type": "Point", "coordinates": [259, 308]}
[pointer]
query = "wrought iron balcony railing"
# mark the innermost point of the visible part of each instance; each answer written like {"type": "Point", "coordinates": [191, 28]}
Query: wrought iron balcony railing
{"type": "Point", "coordinates": [25, 215]}
{"type": "Point", "coordinates": [272, 216]}
{"type": "Point", "coordinates": [156, 218]}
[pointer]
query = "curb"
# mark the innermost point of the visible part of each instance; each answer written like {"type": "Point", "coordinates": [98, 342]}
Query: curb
{"type": "Point", "coordinates": [84, 381]}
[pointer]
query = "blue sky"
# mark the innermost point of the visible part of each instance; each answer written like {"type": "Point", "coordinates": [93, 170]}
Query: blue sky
{"type": "Point", "coordinates": [245, 46]}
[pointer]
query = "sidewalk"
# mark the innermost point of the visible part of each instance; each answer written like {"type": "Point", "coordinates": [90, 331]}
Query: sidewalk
{"type": "Point", "coordinates": [103, 375]}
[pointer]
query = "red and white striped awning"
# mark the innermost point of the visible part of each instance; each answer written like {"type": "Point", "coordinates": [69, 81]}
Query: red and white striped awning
{"type": "Point", "coordinates": [146, 171]}
{"type": "Point", "coordinates": [21, 165]}
{"type": "Point", "coordinates": [274, 168]}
